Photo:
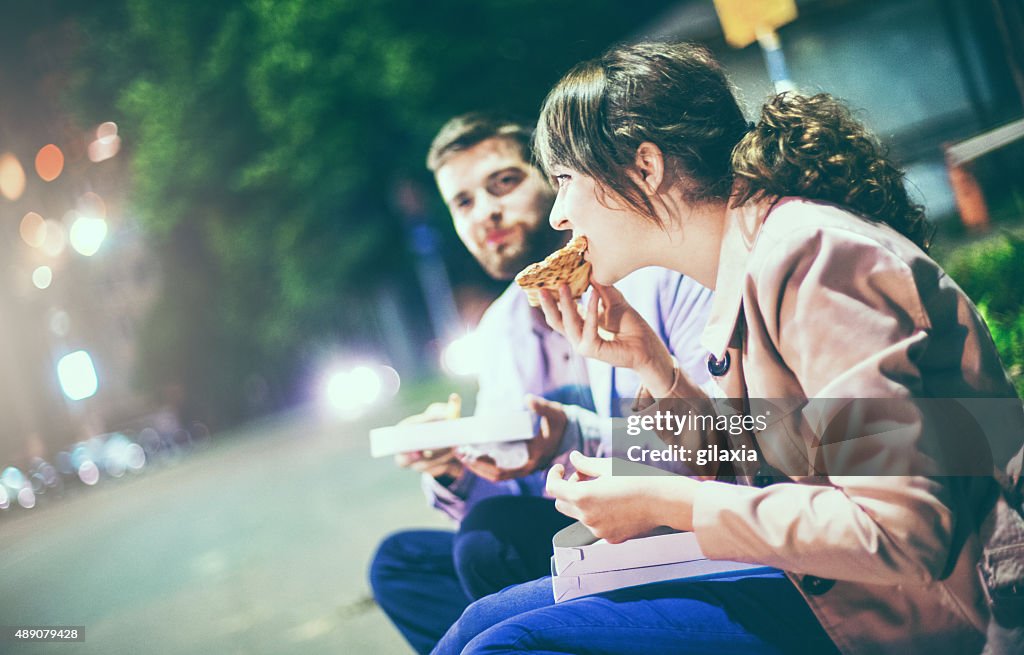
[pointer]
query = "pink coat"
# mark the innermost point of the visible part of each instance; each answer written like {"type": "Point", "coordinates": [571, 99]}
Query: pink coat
{"type": "Point", "coordinates": [813, 302]}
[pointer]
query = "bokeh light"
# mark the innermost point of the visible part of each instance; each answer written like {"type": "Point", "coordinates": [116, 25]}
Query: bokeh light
{"type": "Point", "coordinates": [88, 472]}
{"type": "Point", "coordinates": [42, 277]}
{"type": "Point", "coordinates": [77, 375]}
{"type": "Point", "coordinates": [60, 323]}
{"type": "Point", "coordinates": [12, 478]}
{"type": "Point", "coordinates": [12, 177]}
{"type": "Point", "coordinates": [92, 204]}
{"type": "Point", "coordinates": [390, 382]}
{"type": "Point", "coordinates": [49, 162]}
{"type": "Point", "coordinates": [348, 390]}
{"type": "Point", "coordinates": [17, 486]}
{"type": "Point", "coordinates": [119, 455]}
{"type": "Point", "coordinates": [107, 143]}
{"type": "Point", "coordinates": [135, 457]}
{"type": "Point", "coordinates": [87, 235]}
{"type": "Point", "coordinates": [104, 130]}
{"type": "Point", "coordinates": [464, 355]}
{"type": "Point", "coordinates": [33, 229]}
{"type": "Point", "coordinates": [55, 240]}
{"type": "Point", "coordinates": [27, 497]}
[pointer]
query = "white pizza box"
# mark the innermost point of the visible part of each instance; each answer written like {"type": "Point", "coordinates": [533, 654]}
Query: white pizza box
{"type": "Point", "coordinates": [470, 430]}
{"type": "Point", "coordinates": [583, 564]}
{"type": "Point", "coordinates": [567, 587]}
{"type": "Point", "coordinates": [577, 551]}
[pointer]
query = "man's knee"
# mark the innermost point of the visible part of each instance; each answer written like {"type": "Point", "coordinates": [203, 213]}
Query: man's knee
{"type": "Point", "coordinates": [479, 562]}
{"type": "Point", "coordinates": [403, 554]}
{"type": "Point", "coordinates": [495, 546]}
{"type": "Point", "coordinates": [388, 560]}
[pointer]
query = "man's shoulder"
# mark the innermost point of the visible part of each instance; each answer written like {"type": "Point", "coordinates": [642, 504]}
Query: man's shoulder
{"type": "Point", "coordinates": [662, 286]}
{"type": "Point", "coordinates": [508, 310]}
{"type": "Point", "coordinates": [656, 277]}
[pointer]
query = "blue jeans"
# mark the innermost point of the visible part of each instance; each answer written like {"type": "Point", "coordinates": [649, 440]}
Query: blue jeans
{"type": "Point", "coordinates": [424, 579]}
{"type": "Point", "coordinates": [762, 614]}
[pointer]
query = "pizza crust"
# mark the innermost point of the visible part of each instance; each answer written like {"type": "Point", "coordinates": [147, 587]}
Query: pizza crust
{"type": "Point", "coordinates": [562, 266]}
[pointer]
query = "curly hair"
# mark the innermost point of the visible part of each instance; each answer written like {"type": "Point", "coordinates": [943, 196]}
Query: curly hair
{"type": "Point", "coordinates": [677, 96]}
{"type": "Point", "coordinates": [813, 147]}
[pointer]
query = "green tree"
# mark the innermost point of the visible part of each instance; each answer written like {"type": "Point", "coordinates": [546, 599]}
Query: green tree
{"type": "Point", "coordinates": [990, 273]}
{"type": "Point", "coordinates": [266, 137]}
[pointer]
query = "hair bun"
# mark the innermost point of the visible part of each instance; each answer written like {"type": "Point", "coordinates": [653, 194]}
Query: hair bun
{"type": "Point", "coordinates": [813, 147]}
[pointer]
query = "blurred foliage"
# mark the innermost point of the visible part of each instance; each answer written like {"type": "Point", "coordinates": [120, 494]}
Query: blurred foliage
{"type": "Point", "coordinates": [266, 137]}
{"type": "Point", "coordinates": [990, 273]}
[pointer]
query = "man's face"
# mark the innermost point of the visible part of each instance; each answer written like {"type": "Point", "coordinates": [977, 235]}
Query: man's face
{"type": "Point", "coordinates": [499, 204]}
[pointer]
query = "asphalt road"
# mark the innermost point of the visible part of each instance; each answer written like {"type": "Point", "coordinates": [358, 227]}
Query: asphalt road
{"type": "Point", "coordinates": [258, 543]}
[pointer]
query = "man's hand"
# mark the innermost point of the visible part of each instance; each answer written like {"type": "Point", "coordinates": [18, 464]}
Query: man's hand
{"type": "Point", "coordinates": [437, 463]}
{"type": "Point", "coordinates": [540, 449]}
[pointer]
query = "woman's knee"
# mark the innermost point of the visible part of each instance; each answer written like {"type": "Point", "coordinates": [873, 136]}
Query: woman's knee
{"type": "Point", "coordinates": [491, 610]}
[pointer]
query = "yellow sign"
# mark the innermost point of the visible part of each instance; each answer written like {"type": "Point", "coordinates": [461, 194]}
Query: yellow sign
{"type": "Point", "coordinates": [743, 20]}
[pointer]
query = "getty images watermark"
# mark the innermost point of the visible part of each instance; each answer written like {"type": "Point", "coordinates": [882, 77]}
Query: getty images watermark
{"type": "Point", "coordinates": [818, 437]}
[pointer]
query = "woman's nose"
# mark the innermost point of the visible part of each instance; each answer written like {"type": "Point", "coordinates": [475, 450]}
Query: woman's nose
{"type": "Point", "coordinates": [558, 219]}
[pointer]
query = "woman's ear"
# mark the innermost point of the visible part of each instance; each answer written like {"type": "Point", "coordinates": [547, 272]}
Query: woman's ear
{"type": "Point", "coordinates": [648, 168]}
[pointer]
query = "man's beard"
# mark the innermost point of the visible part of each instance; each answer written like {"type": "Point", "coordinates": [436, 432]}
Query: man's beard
{"type": "Point", "coordinates": [503, 264]}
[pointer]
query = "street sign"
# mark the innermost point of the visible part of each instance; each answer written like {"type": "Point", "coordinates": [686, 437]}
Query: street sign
{"type": "Point", "coordinates": [744, 20]}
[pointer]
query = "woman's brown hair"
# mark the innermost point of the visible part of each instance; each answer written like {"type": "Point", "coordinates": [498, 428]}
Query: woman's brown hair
{"type": "Point", "coordinates": [677, 96]}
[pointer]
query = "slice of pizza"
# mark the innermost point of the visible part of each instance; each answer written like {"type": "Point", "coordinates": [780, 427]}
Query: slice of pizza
{"type": "Point", "coordinates": [565, 265]}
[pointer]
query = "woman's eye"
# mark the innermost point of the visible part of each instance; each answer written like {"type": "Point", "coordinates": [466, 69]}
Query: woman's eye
{"type": "Point", "coordinates": [560, 180]}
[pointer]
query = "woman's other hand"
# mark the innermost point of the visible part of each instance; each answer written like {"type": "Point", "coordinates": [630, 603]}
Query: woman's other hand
{"type": "Point", "coordinates": [620, 508]}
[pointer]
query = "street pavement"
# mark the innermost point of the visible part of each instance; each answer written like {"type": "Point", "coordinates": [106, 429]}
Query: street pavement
{"type": "Point", "coordinates": [257, 543]}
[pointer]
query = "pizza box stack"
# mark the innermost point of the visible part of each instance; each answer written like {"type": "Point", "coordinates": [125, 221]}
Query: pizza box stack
{"type": "Point", "coordinates": [583, 564]}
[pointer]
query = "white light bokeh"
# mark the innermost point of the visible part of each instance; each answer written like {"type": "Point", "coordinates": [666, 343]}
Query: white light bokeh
{"type": "Point", "coordinates": [77, 375]}
{"type": "Point", "coordinates": [464, 355]}
{"type": "Point", "coordinates": [390, 381]}
{"type": "Point", "coordinates": [104, 148]}
{"type": "Point", "coordinates": [88, 472]}
{"type": "Point", "coordinates": [104, 130]}
{"type": "Point", "coordinates": [348, 391]}
{"type": "Point", "coordinates": [55, 240]}
{"type": "Point", "coordinates": [366, 384]}
{"type": "Point", "coordinates": [135, 457]}
{"type": "Point", "coordinates": [87, 235]}
{"type": "Point", "coordinates": [27, 497]}
{"type": "Point", "coordinates": [42, 277]}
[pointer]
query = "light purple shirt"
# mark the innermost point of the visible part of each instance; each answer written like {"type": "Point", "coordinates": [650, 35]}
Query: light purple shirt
{"type": "Point", "coordinates": [526, 356]}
